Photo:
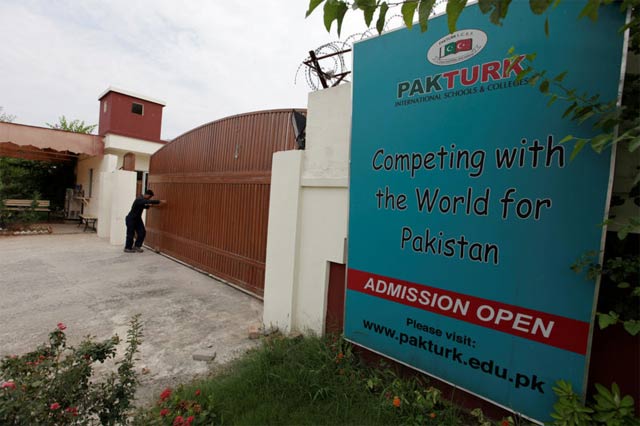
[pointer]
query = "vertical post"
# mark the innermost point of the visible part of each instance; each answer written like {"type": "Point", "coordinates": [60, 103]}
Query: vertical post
{"type": "Point", "coordinates": [316, 66]}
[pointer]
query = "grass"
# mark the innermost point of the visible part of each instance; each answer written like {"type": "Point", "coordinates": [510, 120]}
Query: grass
{"type": "Point", "coordinates": [304, 381]}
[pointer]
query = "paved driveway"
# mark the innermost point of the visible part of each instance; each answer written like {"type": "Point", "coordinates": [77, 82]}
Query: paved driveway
{"type": "Point", "coordinates": [95, 288]}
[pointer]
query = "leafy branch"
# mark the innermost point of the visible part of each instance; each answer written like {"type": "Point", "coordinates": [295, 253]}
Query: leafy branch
{"type": "Point", "coordinates": [76, 126]}
{"type": "Point", "coordinates": [624, 274]}
{"type": "Point", "coordinates": [615, 124]}
{"type": "Point", "coordinates": [335, 10]}
{"type": "Point", "coordinates": [609, 407]}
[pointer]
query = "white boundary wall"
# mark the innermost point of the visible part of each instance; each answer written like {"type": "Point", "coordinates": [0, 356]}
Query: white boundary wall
{"type": "Point", "coordinates": [99, 164]}
{"type": "Point", "coordinates": [308, 216]}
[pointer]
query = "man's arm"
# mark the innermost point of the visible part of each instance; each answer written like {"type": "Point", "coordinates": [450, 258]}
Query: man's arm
{"type": "Point", "coordinates": [150, 203]}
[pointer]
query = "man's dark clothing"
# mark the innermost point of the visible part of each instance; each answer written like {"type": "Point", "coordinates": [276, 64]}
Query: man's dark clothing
{"type": "Point", "coordinates": [134, 222]}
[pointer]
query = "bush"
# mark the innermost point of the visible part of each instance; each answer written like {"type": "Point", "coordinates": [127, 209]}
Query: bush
{"type": "Point", "coordinates": [610, 408]}
{"type": "Point", "coordinates": [53, 385]}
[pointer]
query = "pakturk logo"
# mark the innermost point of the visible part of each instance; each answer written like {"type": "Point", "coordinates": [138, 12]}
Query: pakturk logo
{"type": "Point", "coordinates": [457, 47]}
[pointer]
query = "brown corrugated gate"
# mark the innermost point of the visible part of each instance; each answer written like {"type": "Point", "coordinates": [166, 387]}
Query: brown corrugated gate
{"type": "Point", "coordinates": [216, 180]}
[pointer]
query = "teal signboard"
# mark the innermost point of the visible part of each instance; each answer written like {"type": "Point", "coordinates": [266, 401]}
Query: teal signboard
{"type": "Point", "coordinates": [465, 209]}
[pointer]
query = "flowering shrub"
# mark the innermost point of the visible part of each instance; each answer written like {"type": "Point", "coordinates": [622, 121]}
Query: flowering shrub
{"type": "Point", "coordinates": [179, 409]}
{"type": "Point", "coordinates": [53, 384]}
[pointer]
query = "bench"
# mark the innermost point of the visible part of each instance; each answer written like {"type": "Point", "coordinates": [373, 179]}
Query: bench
{"type": "Point", "coordinates": [17, 205]}
{"type": "Point", "coordinates": [89, 222]}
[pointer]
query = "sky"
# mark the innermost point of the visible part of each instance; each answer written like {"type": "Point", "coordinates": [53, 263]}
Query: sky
{"type": "Point", "coordinates": [207, 59]}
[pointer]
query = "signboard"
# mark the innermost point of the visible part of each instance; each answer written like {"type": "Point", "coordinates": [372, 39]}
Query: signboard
{"type": "Point", "coordinates": [466, 212]}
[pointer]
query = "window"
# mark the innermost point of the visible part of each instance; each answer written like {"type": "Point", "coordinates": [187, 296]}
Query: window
{"type": "Point", "coordinates": [137, 108]}
{"type": "Point", "coordinates": [104, 106]}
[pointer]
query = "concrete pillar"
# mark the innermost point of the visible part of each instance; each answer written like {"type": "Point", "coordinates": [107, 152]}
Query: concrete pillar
{"type": "Point", "coordinates": [123, 192]}
{"type": "Point", "coordinates": [308, 216]}
{"type": "Point", "coordinates": [104, 211]}
{"type": "Point", "coordinates": [282, 242]}
{"type": "Point", "coordinates": [104, 187]}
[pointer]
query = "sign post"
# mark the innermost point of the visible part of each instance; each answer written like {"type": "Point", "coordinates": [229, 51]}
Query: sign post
{"type": "Point", "coordinates": [466, 211]}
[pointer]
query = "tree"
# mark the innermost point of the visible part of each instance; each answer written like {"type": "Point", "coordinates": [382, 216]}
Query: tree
{"type": "Point", "coordinates": [22, 179]}
{"type": "Point", "coordinates": [76, 126]}
{"type": "Point", "coordinates": [6, 118]}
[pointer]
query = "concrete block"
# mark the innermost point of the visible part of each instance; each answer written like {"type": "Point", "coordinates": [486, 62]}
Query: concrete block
{"type": "Point", "coordinates": [205, 356]}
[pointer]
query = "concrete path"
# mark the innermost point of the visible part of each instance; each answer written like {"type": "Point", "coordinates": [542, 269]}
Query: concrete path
{"type": "Point", "coordinates": [95, 288]}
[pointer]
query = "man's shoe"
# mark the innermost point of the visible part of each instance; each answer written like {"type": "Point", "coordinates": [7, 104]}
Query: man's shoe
{"type": "Point", "coordinates": [138, 249]}
{"type": "Point", "coordinates": [129, 250]}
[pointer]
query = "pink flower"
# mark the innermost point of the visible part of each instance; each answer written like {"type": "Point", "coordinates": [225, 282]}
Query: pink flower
{"type": "Point", "coordinates": [8, 385]}
{"type": "Point", "coordinates": [61, 326]}
{"type": "Point", "coordinates": [54, 406]}
{"type": "Point", "coordinates": [164, 412]}
{"type": "Point", "coordinates": [166, 394]}
{"type": "Point", "coordinates": [178, 421]}
{"type": "Point", "coordinates": [72, 410]}
{"type": "Point", "coordinates": [190, 420]}
{"type": "Point", "coordinates": [198, 392]}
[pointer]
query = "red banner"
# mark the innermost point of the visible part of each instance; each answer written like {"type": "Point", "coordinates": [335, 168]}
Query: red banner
{"type": "Point", "coordinates": [553, 330]}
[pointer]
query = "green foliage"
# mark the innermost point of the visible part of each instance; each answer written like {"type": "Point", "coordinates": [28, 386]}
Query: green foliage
{"type": "Point", "coordinates": [616, 125]}
{"type": "Point", "coordinates": [30, 215]}
{"type": "Point", "coordinates": [454, 10]}
{"type": "Point", "coordinates": [569, 410]}
{"type": "Point", "coordinates": [508, 421]}
{"type": "Point", "coordinates": [407, 10]}
{"type": "Point", "coordinates": [424, 10]}
{"type": "Point", "coordinates": [623, 273]}
{"type": "Point", "coordinates": [20, 179]}
{"type": "Point", "coordinates": [53, 384]}
{"type": "Point", "coordinates": [335, 10]}
{"type": "Point", "coordinates": [76, 126]}
{"type": "Point", "coordinates": [634, 24]}
{"type": "Point", "coordinates": [384, 7]}
{"type": "Point", "coordinates": [304, 381]}
{"type": "Point", "coordinates": [610, 407]}
{"type": "Point", "coordinates": [26, 216]}
{"type": "Point", "coordinates": [6, 118]}
{"type": "Point", "coordinates": [4, 215]}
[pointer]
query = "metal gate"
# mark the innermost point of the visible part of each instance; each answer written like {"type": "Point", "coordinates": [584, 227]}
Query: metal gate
{"type": "Point", "coordinates": [216, 180]}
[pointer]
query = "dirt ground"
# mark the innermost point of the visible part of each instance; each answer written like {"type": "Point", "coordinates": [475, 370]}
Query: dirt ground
{"type": "Point", "coordinates": [95, 288]}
